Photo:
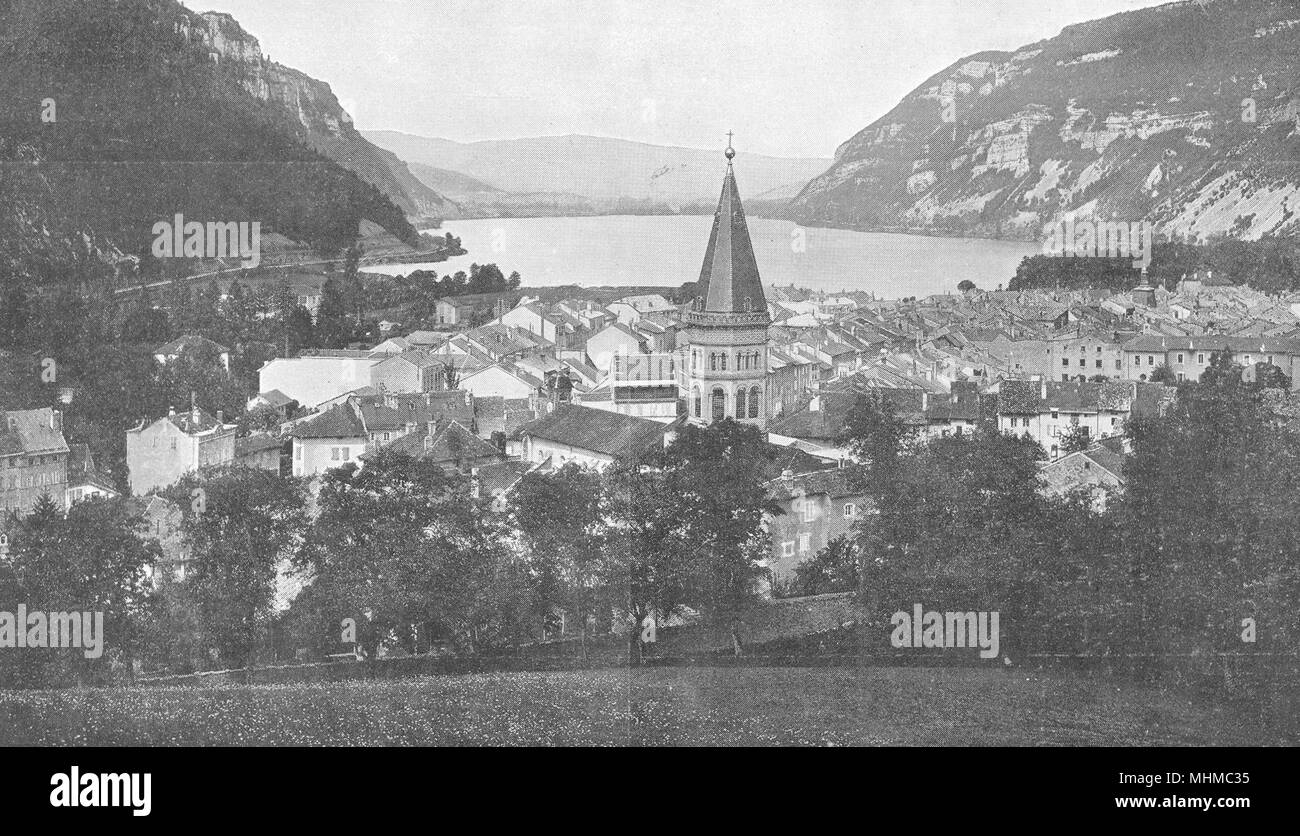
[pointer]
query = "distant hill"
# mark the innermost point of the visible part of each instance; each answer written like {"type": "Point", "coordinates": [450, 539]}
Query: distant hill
{"type": "Point", "coordinates": [612, 174]}
{"type": "Point", "coordinates": [154, 110]}
{"type": "Point", "coordinates": [1186, 115]}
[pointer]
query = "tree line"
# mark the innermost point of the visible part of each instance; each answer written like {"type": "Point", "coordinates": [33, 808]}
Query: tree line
{"type": "Point", "coordinates": [406, 549]}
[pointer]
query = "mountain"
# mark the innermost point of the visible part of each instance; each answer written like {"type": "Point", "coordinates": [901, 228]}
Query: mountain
{"type": "Point", "coordinates": [328, 127]}
{"type": "Point", "coordinates": [1185, 115]}
{"type": "Point", "coordinates": [116, 115]}
{"type": "Point", "coordinates": [602, 174]}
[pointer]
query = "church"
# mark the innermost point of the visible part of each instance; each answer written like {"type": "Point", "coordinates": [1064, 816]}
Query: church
{"type": "Point", "coordinates": [724, 360]}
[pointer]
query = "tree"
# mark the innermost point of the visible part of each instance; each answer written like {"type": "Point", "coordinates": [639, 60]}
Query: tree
{"type": "Point", "coordinates": [402, 548]}
{"type": "Point", "coordinates": [558, 519]}
{"type": "Point", "coordinates": [833, 569]}
{"type": "Point", "coordinates": [91, 561]}
{"type": "Point", "coordinates": [704, 543]}
{"type": "Point", "coordinates": [1075, 440]}
{"type": "Point", "coordinates": [240, 525]}
{"type": "Point", "coordinates": [965, 285]}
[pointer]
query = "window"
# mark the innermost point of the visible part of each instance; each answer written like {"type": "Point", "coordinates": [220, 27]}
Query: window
{"type": "Point", "coordinates": [1248, 360]}
{"type": "Point", "coordinates": [713, 362]}
{"type": "Point", "coordinates": [805, 543]}
{"type": "Point", "coordinates": [1181, 377]}
{"type": "Point", "coordinates": [740, 402]}
{"type": "Point", "coordinates": [387, 436]}
{"type": "Point", "coordinates": [1151, 359]}
{"type": "Point", "coordinates": [695, 393]}
{"type": "Point", "coordinates": [334, 454]}
{"type": "Point", "coordinates": [1200, 358]}
{"type": "Point", "coordinates": [753, 402]}
{"type": "Point", "coordinates": [297, 452]}
{"type": "Point", "coordinates": [1119, 365]}
{"type": "Point", "coordinates": [787, 548]}
{"type": "Point", "coordinates": [1055, 414]}
{"type": "Point", "coordinates": [850, 509]}
{"type": "Point", "coordinates": [719, 404]}
{"type": "Point", "coordinates": [1099, 364]}
{"type": "Point", "coordinates": [1270, 359]}
{"type": "Point", "coordinates": [1180, 357]}
{"type": "Point", "coordinates": [724, 361]}
{"type": "Point", "coordinates": [808, 510]}
{"type": "Point", "coordinates": [1055, 451]}
{"type": "Point", "coordinates": [1065, 361]}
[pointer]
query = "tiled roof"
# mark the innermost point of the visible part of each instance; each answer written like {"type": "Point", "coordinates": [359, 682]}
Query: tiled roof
{"type": "Point", "coordinates": [729, 280]}
{"type": "Point", "coordinates": [835, 482]}
{"type": "Point", "coordinates": [449, 443]}
{"type": "Point", "coordinates": [30, 433]}
{"type": "Point", "coordinates": [1156, 342]}
{"type": "Point", "coordinates": [610, 433]}
{"type": "Point", "coordinates": [341, 421]}
{"type": "Point", "coordinates": [257, 443]}
{"type": "Point", "coordinates": [499, 477]}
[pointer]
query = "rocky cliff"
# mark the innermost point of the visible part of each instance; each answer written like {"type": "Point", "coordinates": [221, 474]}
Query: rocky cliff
{"type": "Point", "coordinates": [1185, 115]}
{"type": "Point", "coordinates": [327, 126]}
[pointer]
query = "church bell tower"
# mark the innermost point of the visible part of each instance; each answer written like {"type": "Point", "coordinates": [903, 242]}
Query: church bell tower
{"type": "Point", "coordinates": [725, 326]}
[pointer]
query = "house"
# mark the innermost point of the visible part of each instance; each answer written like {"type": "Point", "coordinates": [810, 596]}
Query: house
{"type": "Point", "coordinates": [643, 385]}
{"type": "Point", "coordinates": [168, 352]}
{"type": "Point", "coordinates": [501, 380]}
{"type": "Point", "coordinates": [1188, 357]}
{"type": "Point", "coordinates": [615, 338]}
{"type": "Point", "coordinates": [590, 437]}
{"type": "Point", "coordinates": [259, 451]}
{"type": "Point", "coordinates": [413, 370]}
{"type": "Point", "coordinates": [33, 459]}
{"type": "Point", "coordinates": [158, 454]}
{"type": "Point", "coordinates": [449, 444]}
{"type": "Point", "coordinates": [84, 479]}
{"type": "Point", "coordinates": [387, 417]}
{"type": "Point", "coordinates": [306, 296]}
{"type": "Point", "coordinates": [328, 440]}
{"type": "Point", "coordinates": [284, 405]}
{"type": "Point", "coordinates": [163, 525]}
{"type": "Point", "coordinates": [1048, 411]}
{"type": "Point", "coordinates": [629, 309]}
{"type": "Point", "coordinates": [314, 377]}
{"type": "Point", "coordinates": [449, 312]}
{"type": "Point", "coordinates": [817, 507]}
{"type": "Point", "coordinates": [1099, 470]}
{"type": "Point", "coordinates": [392, 345]}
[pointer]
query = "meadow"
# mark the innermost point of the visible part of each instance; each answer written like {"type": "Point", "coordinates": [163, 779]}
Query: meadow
{"type": "Point", "coordinates": [639, 707]}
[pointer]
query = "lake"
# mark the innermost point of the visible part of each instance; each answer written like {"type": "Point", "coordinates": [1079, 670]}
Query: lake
{"type": "Point", "coordinates": [667, 251]}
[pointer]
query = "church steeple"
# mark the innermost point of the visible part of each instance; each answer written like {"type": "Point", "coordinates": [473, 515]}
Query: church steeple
{"type": "Point", "coordinates": [725, 330]}
{"type": "Point", "coordinates": [729, 279]}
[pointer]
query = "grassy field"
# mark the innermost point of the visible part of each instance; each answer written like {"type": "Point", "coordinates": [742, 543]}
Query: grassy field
{"type": "Point", "coordinates": [675, 706]}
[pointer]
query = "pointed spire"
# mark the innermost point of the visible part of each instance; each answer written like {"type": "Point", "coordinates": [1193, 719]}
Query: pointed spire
{"type": "Point", "coordinates": [729, 279]}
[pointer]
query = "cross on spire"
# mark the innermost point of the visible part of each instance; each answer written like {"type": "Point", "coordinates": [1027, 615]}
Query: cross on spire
{"type": "Point", "coordinates": [730, 152]}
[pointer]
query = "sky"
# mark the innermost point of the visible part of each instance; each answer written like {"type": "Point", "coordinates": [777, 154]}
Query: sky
{"type": "Point", "coordinates": [791, 79]}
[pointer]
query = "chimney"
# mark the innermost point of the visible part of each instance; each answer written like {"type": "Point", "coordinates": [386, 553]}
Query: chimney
{"type": "Point", "coordinates": [410, 427]}
{"type": "Point", "coordinates": [171, 412]}
{"type": "Point", "coordinates": [1042, 388]}
{"type": "Point", "coordinates": [56, 420]}
{"type": "Point", "coordinates": [473, 483]}
{"type": "Point", "coordinates": [221, 417]}
{"type": "Point", "coordinates": [431, 427]}
{"type": "Point", "coordinates": [469, 399]}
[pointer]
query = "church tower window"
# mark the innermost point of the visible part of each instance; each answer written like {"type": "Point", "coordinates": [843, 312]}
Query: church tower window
{"type": "Point", "coordinates": [719, 404]}
{"type": "Point", "coordinates": [753, 402]}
